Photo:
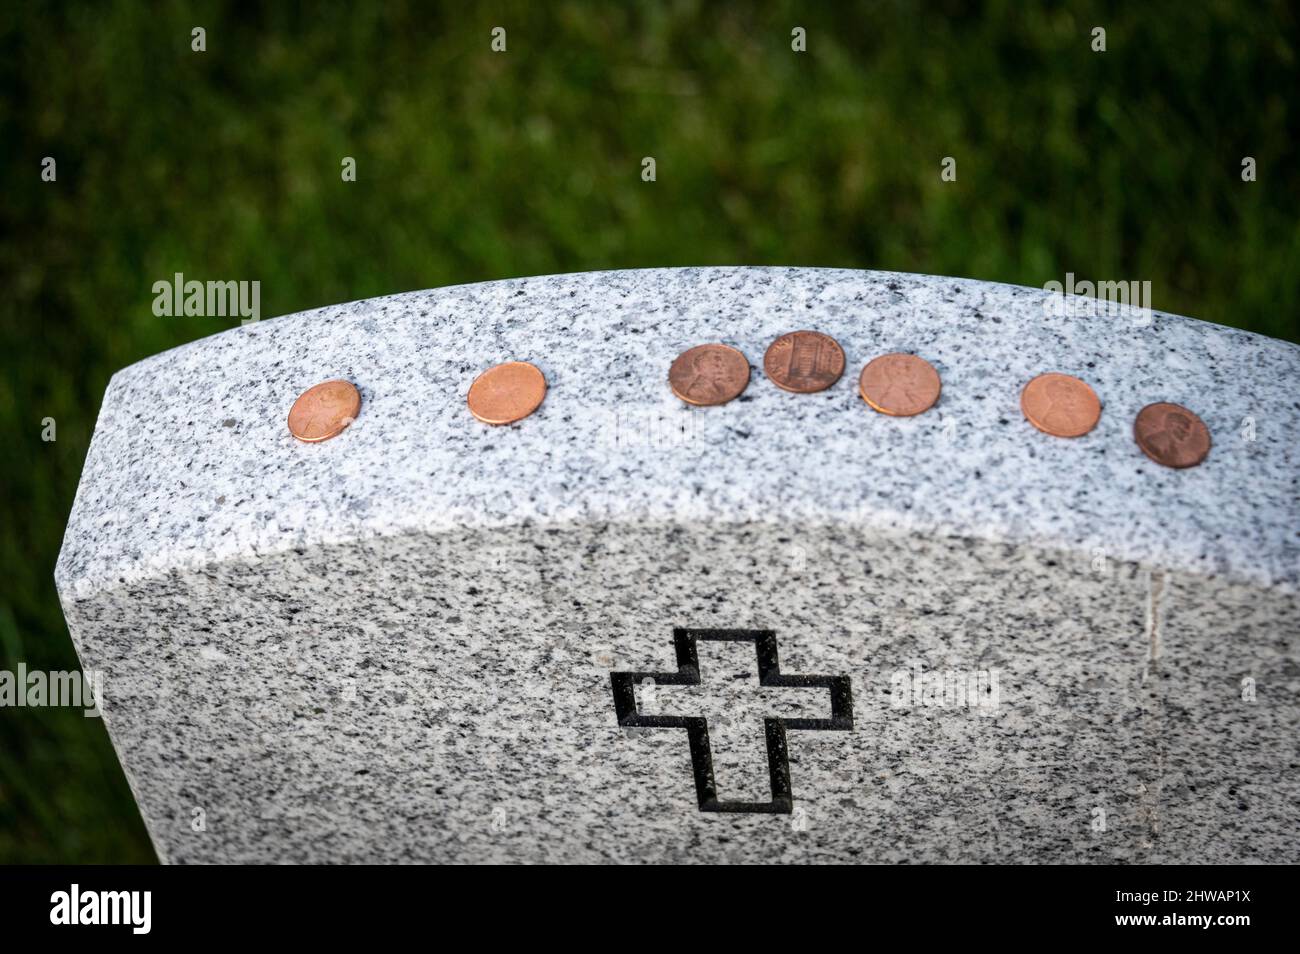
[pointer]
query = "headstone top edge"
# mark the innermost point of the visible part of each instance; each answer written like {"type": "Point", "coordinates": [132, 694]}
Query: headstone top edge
{"type": "Point", "coordinates": [413, 387]}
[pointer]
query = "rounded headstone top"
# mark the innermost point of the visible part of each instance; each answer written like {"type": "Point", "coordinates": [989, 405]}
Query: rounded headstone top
{"type": "Point", "coordinates": [192, 462]}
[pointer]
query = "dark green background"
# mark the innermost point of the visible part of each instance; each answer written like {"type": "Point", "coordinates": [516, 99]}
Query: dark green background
{"type": "Point", "coordinates": [472, 165]}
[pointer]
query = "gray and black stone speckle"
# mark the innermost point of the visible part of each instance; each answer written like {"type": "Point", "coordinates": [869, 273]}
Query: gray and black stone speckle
{"type": "Point", "coordinates": [396, 645]}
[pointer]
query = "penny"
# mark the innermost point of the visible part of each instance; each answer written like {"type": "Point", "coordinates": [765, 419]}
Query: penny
{"type": "Point", "coordinates": [804, 362]}
{"type": "Point", "coordinates": [709, 374]}
{"type": "Point", "coordinates": [506, 393]}
{"type": "Point", "coordinates": [1171, 435]}
{"type": "Point", "coordinates": [899, 384]}
{"type": "Point", "coordinates": [1060, 404]}
{"type": "Point", "coordinates": [324, 411]}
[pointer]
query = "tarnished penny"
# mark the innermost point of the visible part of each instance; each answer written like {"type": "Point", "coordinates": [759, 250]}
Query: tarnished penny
{"type": "Point", "coordinates": [709, 374]}
{"type": "Point", "coordinates": [899, 384]}
{"type": "Point", "coordinates": [1171, 435]}
{"type": "Point", "coordinates": [506, 393]}
{"type": "Point", "coordinates": [804, 362]}
{"type": "Point", "coordinates": [1061, 405]}
{"type": "Point", "coordinates": [324, 411]}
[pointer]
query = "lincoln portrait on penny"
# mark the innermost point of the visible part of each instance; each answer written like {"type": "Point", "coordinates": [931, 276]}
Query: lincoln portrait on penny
{"type": "Point", "coordinates": [711, 375]}
{"type": "Point", "coordinates": [1172, 434]}
{"type": "Point", "coordinates": [1063, 400]}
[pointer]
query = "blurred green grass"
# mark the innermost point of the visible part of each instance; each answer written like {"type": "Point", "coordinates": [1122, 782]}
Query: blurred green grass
{"type": "Point", "coordinates": [474, 165]}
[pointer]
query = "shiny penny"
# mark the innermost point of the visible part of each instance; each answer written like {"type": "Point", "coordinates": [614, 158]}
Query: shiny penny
{"type": "Point", "coordinates": [709, 374]}
{"type": "Point", "coordinates": [324, 411]}
{"type": "Point", "coordinates": [1061, 405]}
{"type": "Point", "coordinates": [899, 384]}
{"type": "Point", "coordinates": [506, 393]}
{"type": "Point", "coordinates": [1171, 435]}
{"type": "Point", "coordinates": [804, 362]}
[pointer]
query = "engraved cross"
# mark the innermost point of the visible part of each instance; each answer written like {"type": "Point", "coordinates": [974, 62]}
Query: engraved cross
{"type": "Point", "coordinates": [770, 683]}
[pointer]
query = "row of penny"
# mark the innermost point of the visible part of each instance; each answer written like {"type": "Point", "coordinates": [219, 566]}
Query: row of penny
{"type": "Point", "coordinates": [803, 362]}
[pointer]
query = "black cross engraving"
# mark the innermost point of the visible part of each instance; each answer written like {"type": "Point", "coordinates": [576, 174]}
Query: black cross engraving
{"type": "Point", "coordinates": [697, 727]}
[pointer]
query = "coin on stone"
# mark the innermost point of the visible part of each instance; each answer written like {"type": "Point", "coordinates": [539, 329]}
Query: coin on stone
{"type": "Point", "coordinates": [324, 411]}
{"type": "Point", "coordinates": [709, 374]}
{"type": "Point", "coordinates": [899, 384]}
{"type": "Point", "coordinates": [804, 361]}
{"type": "Point", "coordinates": [506, 393]}
{"type": "Point", "coordinates": [1171, 435]}
{"type": "Point", "coordinates": [1060, 404]}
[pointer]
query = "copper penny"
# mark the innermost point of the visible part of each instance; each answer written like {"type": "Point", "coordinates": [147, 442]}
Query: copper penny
{"type": "Point", "coordinates": [506, 393]}
{"type": "Point", "coordinates": [899, 384]}
{"type": "Point", "coordinates": [804, 361]}
{"type": "Point", "coordinates": [324, 411]}
{"type": "Point", "coordinates": [1171, 435]}
{"type": "Point", "coordinates": [1061, 405]}
{"type": "Point", "coordinates": [709, 374]}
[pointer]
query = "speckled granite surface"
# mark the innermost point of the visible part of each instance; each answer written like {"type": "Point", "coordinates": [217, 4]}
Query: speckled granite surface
{"type": "Point", "coordinates": [397, 645]}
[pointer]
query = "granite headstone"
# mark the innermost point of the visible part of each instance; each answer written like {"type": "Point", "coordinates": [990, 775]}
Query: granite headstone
{"type": "Point", "coordinates": [787, 628]}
